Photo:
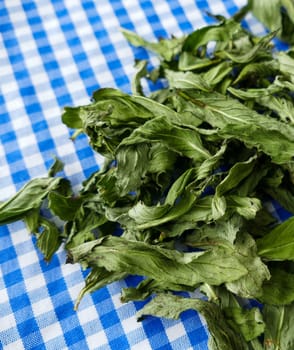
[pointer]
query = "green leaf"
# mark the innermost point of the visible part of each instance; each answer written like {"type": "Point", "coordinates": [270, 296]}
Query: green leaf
{"type": "Point", "coordinates": [237, 173]}
{"type": "Point", "coordinates": [186, 80]}
{"type": "Point", "coordinates": [283, 196]}
{"type": "Point", "coordinates": [71, 117]}
{"type": "Point", "coordinates": [64, 207]}
{"type": "Point", "coordinates": [247, 56]}
{"type": "Point", "coordinates": [224, 230]}
{"type": "Point", "coordinates": [181, 140]}
{"type": "Point", "coordinates": [28, 198]}
{"type": "Point", "coordinates": [279, 289]}
{"type": "Point", "coordinates": [132, 165]}
{"type": "Point", "coordinates": [245, 206]}
{"type": "Point", "coordinates": [249, 285]}
{"type": "Point", "coordinates": [286, 63]}
{"type": "Point", "coordinates": [56, 167]}
{"type": "Point", "coordinates": [137, 88]}
{"type": "Point", "coordinates": [149, 286]}
{"type": "Point", "coordinates": [235, 120]}
{"type": "Point", "coordinates": [216, 74]}
{"type": "Point", "coordinates": [255, 94]}
{"type": "Point", "coordinates": [271, 13]}
{"type": "Point", "coordinates": [32, 220]}
{"type": "Point", "coordinates": [166, 48]}
{"type": "Point", "coordinates": [248, 322]}
{"type": "Point", "coordinates": [161, 159]}
{"type": "Point", "coordinates": [222, 336]}
{"type": "Point", "coordinates": [257, 70]}
{"type": "Point", "coordinates": [278, 244]}
{"type": "Point", "coordinates": [167, 265]}
{"type": "Point", "coordinates": [49, 240]}
{"type": "Point", "coordinates": [97, 279]}
{"type": "Point", "coordinates": [222, 32]}
{"type": "Point", "coordinates": [188, 61]}
{"type": "Point", "coordinates": [279, 321]}
{"type": "Point", "coordinates": [147, 217]}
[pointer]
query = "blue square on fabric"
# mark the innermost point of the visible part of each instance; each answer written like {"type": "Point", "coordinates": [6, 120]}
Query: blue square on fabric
{"type": "Point", "coordinates": [34, 20]}
{"type": "Point", "coordinates": [21, 74]}
{"type": "Point", "coordinates": [39, 126]}
{"type": "Point", "coordinates": [166, 346]}
{"type": "Point", "coordinates": [43, 50]}
{"type": "Point", "coordinates": [14, 156]}
{"type": "Point", "coordinates": [90, 170]}
{"type": "Point", "coordinates": [55, 83]}
{"type": "Point", "coordinates": [14, 59]}
{"type": "Point", "coordinates": [20, 176]}
{"type": "Point", "coordinates": [28, 91]}
{"type": "Point", "coordinates": [5, 27]}
{"type": "Point", "coordinates": [28, 6]}
{"type": "Point", "coordinates": [46, 145]}
{"type": "Point", "coordinates": [199, 334]}
{"type": "Point", "coordinates": [85, 153]}
{"type": "Point", "coordinates": [64, 99]}
{"type": "Point", "coordinates": [86, 73]}
{"type": "Point", "coordinates": [152, 326]}
{"type": "Point", "coordinates": [80, 57]}
{"type": "Point", "coordinates": [63, 311]}
{"type": "Point", "coordinates": [11, 42]}
{"type": "Point", "coordinates": [120, 343]}
{"type": "Point", "coordinates": [33, 108]}
{"type": "Point", "coordinates": [74, 336]}
{"type": "Point", "coordinates": [109, 319]}
{"type": "Point", "coordinates": [27, 326]}
{"type": "Point", "coordinates": [19, 302]}
{"type": "Point", "coordinates": [39, 35]}
{"type": "Point", "coordinates": [8, 136]}
{"type": "Point", "coordinates": [51, 65]}
{"type": "Point", "coordinates": [2, 101]}
{"type": "Point", "coordinates": [7, 254]}
{"type": "Point", "coordinates": [57, 286]}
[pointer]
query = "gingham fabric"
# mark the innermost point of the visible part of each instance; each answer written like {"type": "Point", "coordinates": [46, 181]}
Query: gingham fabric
{"type": "Point", "coordinates": [55, 54]}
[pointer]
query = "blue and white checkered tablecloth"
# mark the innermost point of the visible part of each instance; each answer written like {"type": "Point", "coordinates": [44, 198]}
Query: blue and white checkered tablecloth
{"type": "Point", "coordinates": [55, 54]}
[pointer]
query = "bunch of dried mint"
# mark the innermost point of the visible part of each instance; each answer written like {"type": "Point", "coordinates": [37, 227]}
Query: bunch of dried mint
{"type": "Point", "coordinates": [182, 198]}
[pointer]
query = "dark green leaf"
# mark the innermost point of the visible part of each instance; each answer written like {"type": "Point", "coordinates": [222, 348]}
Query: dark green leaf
{"type": "Point", "coordinates": [248, 322]}
{"type": "Point", "coordinates": [49, 240]}
{"type": "Point", "coordinates": [201, 37]}
{"type": "Point", "coordinates": [64, 207]}
{"type": "Point", "coordinates": [96, 279]}
{"type": "Point", "coordinates": [278, 244]}
{"type": "Point", "coordinates": [28, 198]}
{"type": "Point", "coordinates": [279, 289]}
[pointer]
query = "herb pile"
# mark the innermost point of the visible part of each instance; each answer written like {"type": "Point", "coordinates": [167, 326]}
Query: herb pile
{"type": "Point", "coordinates": [183, 197]}
{"type": "Point", "coordinates": [274, 14]}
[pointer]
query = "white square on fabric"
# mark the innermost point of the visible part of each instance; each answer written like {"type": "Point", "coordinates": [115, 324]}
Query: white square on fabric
{"type": "Point", "coordinates": [35, 282]}
{"type": "Point", "coordinates": [17, 345]}
{"type": "Point", "coordinates": [97, 340]}
{"type": "Point", "coordinates": [27, 259]}
{"type": "Point", "coordinates": [175, 332]}
{"type": "Point", "coordinates": [51, 332]}
{"type": "Point", "coordinates": [88, 314]}
{"type": "Point", "coordinates": [142, 345]}
{"type": "Point", "coordinates": [42, 307]}
{"type": "Point", "coordinates": [7, 321]}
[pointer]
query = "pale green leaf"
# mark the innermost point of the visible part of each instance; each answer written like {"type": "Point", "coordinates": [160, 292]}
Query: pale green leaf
{"type": "Point", "coordinates": [279, 321]}
{"type": "Point", "coordinates": [222, 336]}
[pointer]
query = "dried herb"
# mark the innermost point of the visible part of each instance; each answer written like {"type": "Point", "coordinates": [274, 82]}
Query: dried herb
{"type": "Point", "coordinates": [182, 199]}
